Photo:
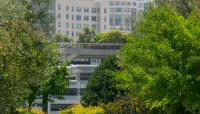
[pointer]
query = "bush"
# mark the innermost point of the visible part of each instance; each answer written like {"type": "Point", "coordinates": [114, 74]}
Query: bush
{"type": "Point", "coordinates": [25, 111]}
{"type": "Point", "coordinates": [79, 109]}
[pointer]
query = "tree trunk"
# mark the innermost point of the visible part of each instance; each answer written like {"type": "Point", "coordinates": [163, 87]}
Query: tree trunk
{"type": "Point", "coordinates": [45, 102]}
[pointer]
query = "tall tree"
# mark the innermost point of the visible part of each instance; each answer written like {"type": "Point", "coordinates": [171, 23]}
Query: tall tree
{"type": "Point", "coordinates": [161, 63]}
{"type": "Point", "coordinates": [101, 85]}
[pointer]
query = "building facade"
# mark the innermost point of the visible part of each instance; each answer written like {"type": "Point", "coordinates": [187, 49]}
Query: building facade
{"type": "Point", "coordinates": [71, 16]}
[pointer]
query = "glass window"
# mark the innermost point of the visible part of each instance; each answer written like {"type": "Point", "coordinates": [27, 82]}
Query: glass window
{"type": "Point", "coordinates": [72, 34]}
{"type": "Point", "coordinates": [78, 17]}
{"type": "Point", "coordinates": [59, 7]}
{"type": "Point", "coordinates": [78, 9]}
{"type": "Point", "coordinates": [127, 9]}
{"type": "Point", "coordinates": [134, 3]}
{"type": "Point", "coordinates": [94, 18]}
{"type": "Point", "coordinates": [59, 24]}
{"type": "Point", "coordinates": [86, 10]}
{"type": "Point", "coordinates": [117, 19]}
{"type": "Point", "coordinates": [72, 8]}
{"type": "Point", "coordinates": [118, 9]}
{"type": "Point", "coordinates": [128, 3]}
{"type": "Point", "coordinates": [127, 20]}
{"type": "Point", "coordinates": [67, 8]}
{"type": "Point", "coordinates": [78, 26]}
{"type": "Point", "coordinates": [72, 17]}
{"type": "Point", "coordinates": [67, 25]}
{"type": "Point", "coordinates": [105, 10]}
{"type": "Point", "coordinates": [59, 15]}
{"type": "Point", "coordinates": [72, 25]}
{"type": "Point", "coordinates": [67, 16]}
{"type": "Point", "coordinates": [94, 10]}
{"type": "Point", "coordinates": [133, 12]}
{"type": "Point", "coordinates": [94, 26]}
{"type": "Point", "coordinates": [86, 18]}
{"type": "Point", "coordinates": [105, 19]}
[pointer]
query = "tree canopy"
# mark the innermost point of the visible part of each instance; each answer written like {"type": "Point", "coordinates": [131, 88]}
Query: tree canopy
{"type": "Point", "coordinates": [101, 85]}
{"type": "Point", "coordinates": [161, 62]}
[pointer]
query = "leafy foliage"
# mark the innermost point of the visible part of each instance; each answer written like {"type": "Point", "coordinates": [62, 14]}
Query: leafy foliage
{"type": "Point", "coordinates": [26, 111]}
{"type": "Point", "coordinates": [87, 36]}
{"type": "Point", "coordinates": [28, 61]}
{"type": "Point", "coordinates": [114, 36]}
{"type": "Point", "coordinates": [160, 64]}
{"type": "Point", "coordinates": [101, 85]}
{"type": "Point", "coordinates": [79, 109]}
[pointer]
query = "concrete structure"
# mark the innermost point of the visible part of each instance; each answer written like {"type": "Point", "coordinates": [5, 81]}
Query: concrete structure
{"type": "Point", "coordinates": [84, 58]}
{"type": "Point", "coordinates": [101, 15]}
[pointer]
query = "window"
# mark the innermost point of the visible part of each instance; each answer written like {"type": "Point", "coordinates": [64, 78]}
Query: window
{"type": "Point", "coordinates": [59, 24]}
{"type": "Point", "coordinates": [134, 3]}
{"type": "Point", "coordinates": [78, 26]}
{"type": "Point", "coordinates": [104, 10]}
{"type": "Point", "coordinates": [67, 16]}
{"type": "Point", "coordinates": [72, 17]}
{"type": "Point", "coordinates": [67, 33]}
{"type": "Point", "coordinates": [94, 18]}
{"type": "Point", "coordinates": [67, 8]}
{"type": "Point", "coordinates": [78, 17]}
{"type": "Point", "coordinates": [67, 25]}
{"type": "Point", "coordinates": [78, 9]}
{"type": "Point", "coordinates": [72, 34]}
{"type": "Point", "coordinates": [59, 16]}
{"type": "Point", "coordinates": [59, 7]}
{"type": "Point", "coordinates": [117, 3]}
{"type": "Point", "coordinates": [145, 6]}
{"type": "Point", "coordinates": [127, 20]}
{"type": "Point", "coordinates": [128, 3]}
{"type": "Point", "coordinates": [72, 25]}
{"type": "Point", "coordinates": [94, 10]}
{"type": "Point", "coordinates": [86, 10]}
{"type": "Point", "coordinates": [126, 9]}
{"type": "Point", "coordinates": [117, 19]}
{"type": "Point", "coordinates": [141, 5]}
{"type": "Point", "coordinates": [133, 12]}
{"type": "Point", "coordinates": [86, 18]}
{"type": "Point", "coordinates": [72, 8]}
{"type": "Point", "coordinates": [118, 9]}
{"type": "Point", "coordinates": [94, 26]}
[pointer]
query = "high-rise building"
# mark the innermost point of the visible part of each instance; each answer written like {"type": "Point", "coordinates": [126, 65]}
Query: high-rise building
{"type": "Point", "coordinates": [71, 16]}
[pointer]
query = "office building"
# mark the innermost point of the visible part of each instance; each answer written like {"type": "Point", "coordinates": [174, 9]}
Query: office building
{"type": "Point", "coordinates": [71, 16]}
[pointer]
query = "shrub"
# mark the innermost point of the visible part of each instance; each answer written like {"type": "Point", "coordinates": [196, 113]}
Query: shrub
{"type": "Point", "coordinates": [25, 111]}
{"type": "Point", "coordinates": [79, 109]}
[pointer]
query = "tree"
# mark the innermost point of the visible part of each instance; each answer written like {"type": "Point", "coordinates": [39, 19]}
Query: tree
{"type": "Point", "coordinates": [101, 85]}
{"type": "Point", "coordinates": [185, 7]}
{"type": "Point", "coordinates": [114, 36]}
{"type": "Point", "coordinates": [28, 61]}
{"type": "Point", "coordinates": [87, 36]}
{"type": "Point", "coordinates": [61, 38]}
{"type": "Point", "coordinates": [161, 63]}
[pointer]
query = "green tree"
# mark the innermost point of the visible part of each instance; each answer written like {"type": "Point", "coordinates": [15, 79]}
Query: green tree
{"type": "Point", "coordinates": [61, 38]}
{"type": "Point", "coordinates": [87, 36]}
{"type": "Point", "coordinates": [161, 63]}
{"type": "Point", "coordinates": [114, 36]}
{"type": "Point", "coordinates": [184, 7]}
{"type": "Point", "coordinates": [28, 61]}
{"type": "Point", "coordinates": [101, 85]}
